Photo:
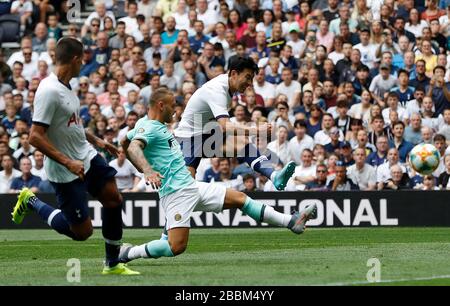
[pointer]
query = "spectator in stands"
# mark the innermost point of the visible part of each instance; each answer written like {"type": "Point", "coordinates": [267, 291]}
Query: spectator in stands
{"type": "Point", "coordinates": [341, 182]}
{"type": "Point", "coordinates": [26, 179]}
{"type": "Point", "coordinates": [323, 136]}
{"type": "Point", "coordinates": [439, 89]}
{"type": "Point", "coordinates": [379, 156]}
{"type": "Point", "coordinates": [413, 131]}
{"type": "Point", "coordinates": [360, 173]}
{"type": "Point", "coordinates": [24, 9]}
{"type": "Point", "coordinates": [100, 13]}
{"type": "Point", "coordinates": [127, 176]}
{"type": "Point", "coordinates": [300, 142]}
{"type": "Point", "coordinates": [384, 170]}
{"type": "Point", "coordinates": [320, 181]}
{"type": "Point", "coordinates": [398, 181]}
{"type": "Point", "coordinates": [8, 174]}
{"type": "Point", "coordinates": [403, 146]}
{"type": "Point", "coordinates": [212, 173]}
{"type": "Point", "coordinates": [249, 183]}
{"type": "Point", "coordinates": [265, 89]}
{"type": "Point", "coordinates": [304, 173]}
{"type": "Point", "coordinates": [280, 146]}
{"type": "Point", "coordinates": [334, 146]}
{"type": "Point", "coordinates": [25, 149]}
{"type": "Point", "coordinates": [40, 38]}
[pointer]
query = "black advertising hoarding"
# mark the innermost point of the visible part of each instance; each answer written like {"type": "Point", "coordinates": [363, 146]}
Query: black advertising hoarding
{"type": "Point", "coordinates": [335, 209]}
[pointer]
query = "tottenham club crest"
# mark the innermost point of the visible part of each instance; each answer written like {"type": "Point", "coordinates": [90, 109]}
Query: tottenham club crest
{"type": "Point", "coordinates": [177, 217]}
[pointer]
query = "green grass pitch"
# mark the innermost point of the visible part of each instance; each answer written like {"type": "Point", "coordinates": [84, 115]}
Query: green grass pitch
{"type": "Point", "coordinates": [268, 256]}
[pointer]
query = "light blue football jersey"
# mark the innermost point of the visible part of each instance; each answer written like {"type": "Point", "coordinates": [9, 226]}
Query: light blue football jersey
{"type": "Point", "coordinates": [163, 153]}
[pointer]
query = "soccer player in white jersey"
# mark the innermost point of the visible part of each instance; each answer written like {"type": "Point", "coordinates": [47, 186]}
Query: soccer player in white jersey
{"type": "Point", "coordinates": [72, 165]}
{"type": "Point", "coordinates": [209, 104]}
{"type": "Point", "coordinates": [155, 152]}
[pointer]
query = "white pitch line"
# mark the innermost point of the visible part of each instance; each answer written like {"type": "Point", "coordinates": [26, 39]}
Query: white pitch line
{"type": "Point", "coordinates": [386, 281]}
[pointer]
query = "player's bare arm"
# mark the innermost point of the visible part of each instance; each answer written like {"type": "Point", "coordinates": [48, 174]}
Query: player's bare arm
{"type": "Point", "coordinates": [125, 143]}
{"type": "Point", "coordinates": [100, 143]}
{"type": "Point", "coordinates": [136, 155]}
{"type": "Point", "coordinates": [39, 140]}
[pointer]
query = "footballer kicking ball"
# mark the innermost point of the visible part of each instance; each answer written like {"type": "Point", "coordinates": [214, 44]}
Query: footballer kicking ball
{"type": "Point", "coordinates": [424, 158]}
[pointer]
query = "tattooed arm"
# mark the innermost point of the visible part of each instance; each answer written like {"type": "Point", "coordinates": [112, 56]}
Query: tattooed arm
{"type": "Point", "coordinates": [136, 156]}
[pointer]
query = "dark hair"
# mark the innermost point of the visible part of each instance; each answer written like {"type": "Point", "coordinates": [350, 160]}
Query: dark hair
{"type": "Point", "coordinates": [300, 123]}
{"type": "Point", "coordinates": [400, 71]}
{"type": "Point", "coordinates": [439, 137]}
{"type": "Point", "coordinates": [377, 117]}
{"type": "Point", "coordinates": [363, 68]}
{"type": "Point", "coordinates": [393, 95]}
{"type": "Point", "coordinates": [342, 103]}
{"type": "Point", "coordinates": [66, 49]}
{"type": "Point", "coordinates": [398, 123]}
{"type": "Point", "coordinates": [241, 63]}
{"type": "Point", "coordinates": [132, 113]}
{"type": "Point", "coordinates": [121, 23]}
{"type": "Point", "coordinates": [229, 24]}
{"type": "Point", "coordinates": [438, 67]}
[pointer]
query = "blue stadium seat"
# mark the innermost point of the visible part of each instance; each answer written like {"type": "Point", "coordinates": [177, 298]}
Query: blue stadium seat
{"type": "Point", "coordinates": [9, 28]}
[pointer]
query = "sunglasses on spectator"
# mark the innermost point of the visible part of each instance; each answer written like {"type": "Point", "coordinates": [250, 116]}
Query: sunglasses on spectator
{"type": "Point", "coordinates": [82, 84]}
{"type": "Point", "coordinates": [95, 25]}
{"type": "Point", "coordinates": [282, 108]}
{"type": "Point", "coordinates": [27, 53]}
{"type": "Point", "coordinates": [140, 53]}
{"type": "Point", "coordinates": [184, 53]}
{"type": "Point", "coordinates": [321, 171]}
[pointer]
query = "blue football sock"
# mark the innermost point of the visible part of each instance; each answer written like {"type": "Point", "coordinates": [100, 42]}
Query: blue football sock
{"type": "Point", "coordinates": [54, 217]}
{"type": "Point", "coordinates": [112, 233]}
{"type": "Point", "coordinates": [251, 155]}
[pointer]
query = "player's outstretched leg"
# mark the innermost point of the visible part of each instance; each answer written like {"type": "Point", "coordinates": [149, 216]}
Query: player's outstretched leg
{"type": "Point", "coordinates": [28, 202]}
{"type": "Point", "coordinates": [175, 245]}
{"type": "Point", "coordinates": [260, 163]}
{"type": "Point", "coordinates": [265, 213]}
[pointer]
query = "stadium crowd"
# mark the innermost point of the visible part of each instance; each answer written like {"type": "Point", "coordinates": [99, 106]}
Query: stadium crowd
{"type": "Point", "coordinates": [349, 86]}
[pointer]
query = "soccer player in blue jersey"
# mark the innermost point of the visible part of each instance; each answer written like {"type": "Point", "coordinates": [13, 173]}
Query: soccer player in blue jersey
{"type": "Point", "coordinates": [155, 152]}
{"type": "Point", "coordinates": [205, 125]}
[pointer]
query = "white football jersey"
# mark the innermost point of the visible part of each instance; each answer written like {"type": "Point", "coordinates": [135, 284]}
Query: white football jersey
{"type": "Point", "coordinates": [58, 108]}
{"type": "Point", "coordinates": [209, 103]}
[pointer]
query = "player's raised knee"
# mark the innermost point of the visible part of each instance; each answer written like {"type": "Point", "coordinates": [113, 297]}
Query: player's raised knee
{"type": "Point", "coordinates": [178, 248]}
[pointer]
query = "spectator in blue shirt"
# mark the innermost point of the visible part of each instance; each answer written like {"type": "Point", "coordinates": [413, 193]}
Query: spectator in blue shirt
{"type": "Point", "coordinates": [89, 63]}
{"type": "Point", "coordinates": [169, 37]}
{"type": "Point", "coordinates": [405, 93]}
{"type": "Point", "coordinates": [199, 39]}
{"type": "Point", "coordinates": [379, 157]}
{"type": "Point", "coordinates": [403, 146]}
{"type": "Point", "coordinates": [213, 172]}
{"type": "Point", "coordinates": [26, 179]}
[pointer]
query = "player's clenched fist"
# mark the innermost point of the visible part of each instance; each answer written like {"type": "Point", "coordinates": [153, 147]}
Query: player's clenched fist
{"type": "Point", "coordinates": [76, 167]}
{"type": "Point", "coordinates": [153, 179]}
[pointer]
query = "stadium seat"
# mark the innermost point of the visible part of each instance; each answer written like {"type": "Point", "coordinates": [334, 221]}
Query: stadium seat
{"type": "Point", "coordinates": [9, 28]}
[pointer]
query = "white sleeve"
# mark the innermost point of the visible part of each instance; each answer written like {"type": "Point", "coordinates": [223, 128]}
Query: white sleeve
{"type": "Point", "coordinates": [217, 102]}
{"type": "Point", "coordinates": [45, 106]}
